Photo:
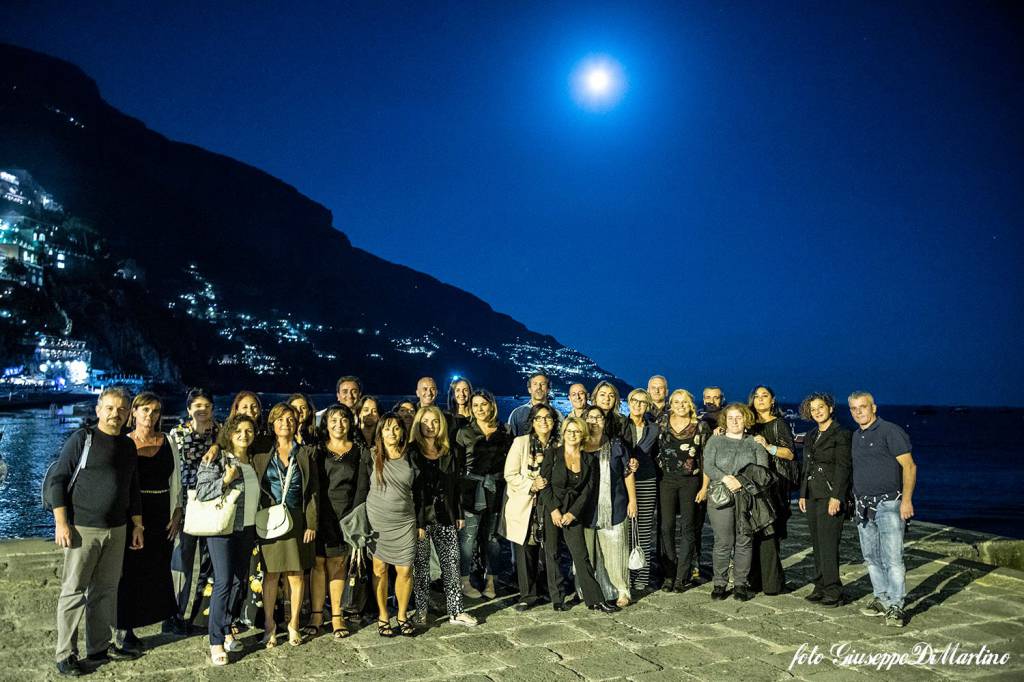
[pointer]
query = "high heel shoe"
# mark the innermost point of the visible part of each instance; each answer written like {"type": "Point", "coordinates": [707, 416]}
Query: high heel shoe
{"type": "Point", "coordinates": [294, 636]}
{"type": "Point", "coordinates": [269, 638]}
{"type": "Point", "coordinates": [340, 629]}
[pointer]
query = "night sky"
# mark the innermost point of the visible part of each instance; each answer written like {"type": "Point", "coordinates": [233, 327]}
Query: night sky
{"type": "Point", "coordinates": [815, 196]}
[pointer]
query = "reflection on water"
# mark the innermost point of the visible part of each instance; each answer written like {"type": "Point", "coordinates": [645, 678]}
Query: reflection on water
{"type": "Point", "coordinates": [32, 440]}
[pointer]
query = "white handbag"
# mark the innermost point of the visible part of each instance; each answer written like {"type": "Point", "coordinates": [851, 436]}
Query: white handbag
{"type": "Point", "coordinates": [637, 560]}
{"type": "Point", "coordinates": [274, 521]}
{"type": "Point", "coordinates": [210, 517]}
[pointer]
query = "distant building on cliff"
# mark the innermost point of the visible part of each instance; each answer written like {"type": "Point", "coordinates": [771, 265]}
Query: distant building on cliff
{"type": "Point", "coordinates": [36, 233]}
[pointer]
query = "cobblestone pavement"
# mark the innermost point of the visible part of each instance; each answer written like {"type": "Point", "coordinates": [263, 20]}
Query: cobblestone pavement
{"type": "Point", "coordinates": [661, 637]}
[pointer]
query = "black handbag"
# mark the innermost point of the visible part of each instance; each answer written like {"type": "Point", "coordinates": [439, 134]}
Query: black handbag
{"type": "Point", "coordinates": [357, 583]}
{"type": "Point", "coordinates": [720, 496]}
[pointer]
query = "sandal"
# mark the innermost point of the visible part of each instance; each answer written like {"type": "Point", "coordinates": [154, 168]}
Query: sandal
{"type": "Point", "coordinates": [294, 636]}
{"type": "Point", "coordinates": [217, 655]}
{"type": "Point", "coordinates": [269, 638]}
{"type": "Point", "coordinates": [406, 627]}
{"type": "Point", "coordinates": [384, 628]}
{"type": "Point", "coordinates": [314, 629]}
{"type": "Point", "coordinates": [338, 626]}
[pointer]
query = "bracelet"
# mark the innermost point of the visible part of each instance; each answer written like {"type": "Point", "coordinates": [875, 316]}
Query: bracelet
{"type": "Point", "coordinates": [773, 450]}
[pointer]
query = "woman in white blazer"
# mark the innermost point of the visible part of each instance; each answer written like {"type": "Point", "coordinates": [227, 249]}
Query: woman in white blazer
{"type": "Point", "coordinates": [523, 515]}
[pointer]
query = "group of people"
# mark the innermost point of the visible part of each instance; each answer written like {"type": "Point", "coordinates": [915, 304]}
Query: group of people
{"type": "Point", "coordinates": [426, 491]}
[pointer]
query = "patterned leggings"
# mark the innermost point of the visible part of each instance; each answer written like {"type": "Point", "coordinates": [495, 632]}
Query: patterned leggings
{"type": "Point", "coordinates": [446, 542]}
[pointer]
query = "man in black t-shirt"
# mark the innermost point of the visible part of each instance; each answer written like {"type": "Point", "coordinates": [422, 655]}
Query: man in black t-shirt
{"type": "Point", "coordinates": [92, 500]}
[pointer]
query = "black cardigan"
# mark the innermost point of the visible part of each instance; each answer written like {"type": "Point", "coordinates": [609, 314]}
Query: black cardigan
{"type": "Point", "coordinates": [832, 453]}
{"type": "Point", "coordinates": [435, 490]}
{"type": "Point", "coordinates": [562, 495]}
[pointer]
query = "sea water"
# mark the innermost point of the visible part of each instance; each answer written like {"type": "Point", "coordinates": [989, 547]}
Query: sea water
{"type": "Point", "coordinates": [970, 462]}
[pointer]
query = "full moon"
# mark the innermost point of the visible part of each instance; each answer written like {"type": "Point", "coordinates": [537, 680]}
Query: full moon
{"type": "Point", "coordinates": [598, 83]}
{"type": "Point", "coordinates": [598, 80]}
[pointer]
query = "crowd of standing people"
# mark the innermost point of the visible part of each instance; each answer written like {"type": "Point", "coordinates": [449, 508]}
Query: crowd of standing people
{"type": "Point", "coordinates": [286, 515]}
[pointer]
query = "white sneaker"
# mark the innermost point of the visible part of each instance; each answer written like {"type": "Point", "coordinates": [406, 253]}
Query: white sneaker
{"type": "Point", "coordinates": [463, 619]}
{"type": "Point", "coordinates": [232, 645]}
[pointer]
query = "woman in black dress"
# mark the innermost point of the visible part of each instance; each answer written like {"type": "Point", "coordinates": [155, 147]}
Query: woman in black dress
{"type": "Point", "coordinates": [774, 434]}
{"type": "Point", "coordinates": [343, 467]}
{"type": "Point", "coordinates": [146, 591]}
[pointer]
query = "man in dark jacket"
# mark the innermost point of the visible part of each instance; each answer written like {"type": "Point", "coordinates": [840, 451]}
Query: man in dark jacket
{"type": "Point", "coordinates": [92, 501]}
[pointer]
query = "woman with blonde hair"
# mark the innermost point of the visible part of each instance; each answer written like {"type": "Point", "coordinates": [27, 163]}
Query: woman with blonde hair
{"type": "Point", "coordinates": [437, 499]}
{"type": "Point", "coordinates": [682, 487]}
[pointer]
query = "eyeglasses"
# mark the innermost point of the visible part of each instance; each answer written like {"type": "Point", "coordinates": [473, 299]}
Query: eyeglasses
{"type": "Point", "coordinates": [595, 419]}
{"type": "Point", "coordinates": [638, 401]}
{"type": "Point", "coordinates": [543, 418]}
{"type": "Point", "coordinates": [573, 432]}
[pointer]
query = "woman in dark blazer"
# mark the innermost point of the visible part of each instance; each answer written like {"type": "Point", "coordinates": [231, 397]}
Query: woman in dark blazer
{"type": "Point", "coordinates": [570, 476]}
{"type": "Point", "coordinates": [293, 553]}
{"type": "Point", "coordinates": [824, 493]}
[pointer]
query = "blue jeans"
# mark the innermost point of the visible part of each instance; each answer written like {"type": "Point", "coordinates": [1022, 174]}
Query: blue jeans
{"type": "Point", "coordinates": [479, 528]}
{"type": "Point", "coordinates": [881, 542]}
{"type": "Point", "coordinates": [230, 556]}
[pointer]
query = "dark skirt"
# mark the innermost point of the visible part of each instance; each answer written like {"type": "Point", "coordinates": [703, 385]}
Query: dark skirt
{"type": "Point", "coordinates": [289, 553]}
{"type": "Point", "coordinates": [145, 594]}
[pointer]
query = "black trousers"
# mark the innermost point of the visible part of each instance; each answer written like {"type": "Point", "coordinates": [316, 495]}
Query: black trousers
{"type": "Point", "coordinates": [825, 534]}
{"type": "Point", "coordinates": [528, 567]}
{"type": "Point", "coordinates": [585, 579]}
{"type": "Point", "coordinates": [766, 569]}
{"type": "Point", "coordinates": [677, 495]}
{"type": "Point", "coordinates": [698, 531]}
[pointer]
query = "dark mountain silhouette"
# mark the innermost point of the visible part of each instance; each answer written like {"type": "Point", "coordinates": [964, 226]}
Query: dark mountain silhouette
{"type": "Point", "coordinates": [266, 250]}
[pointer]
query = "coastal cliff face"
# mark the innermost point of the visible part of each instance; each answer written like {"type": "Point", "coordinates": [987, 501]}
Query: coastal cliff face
{"type": "Point", "coordinates": [244, 279]}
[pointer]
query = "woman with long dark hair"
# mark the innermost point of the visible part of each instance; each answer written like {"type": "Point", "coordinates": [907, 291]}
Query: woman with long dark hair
{"type": "Point", "coordinates": [392, 516]}
{"type": "Point", "coordinates": [614, 499]}
{"type": "Point", "coordinates": [774, 434]}
{"type": "Point", "coordinates": [524, 511]}
{"type": "Point", "coordinates": [342, 465]}
{"type": "Point", "coordinates": [484, 444]}
{"type": "Point", "coordinates": [367, 413]}
{"type": "Point", "coordinates": [825, 493]}
{"type": "Point", "coordinates": [305, 412]}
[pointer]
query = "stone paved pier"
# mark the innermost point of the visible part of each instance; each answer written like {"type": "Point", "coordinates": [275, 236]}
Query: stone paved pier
{"type": "Point", "coordinates": [951, 601]}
